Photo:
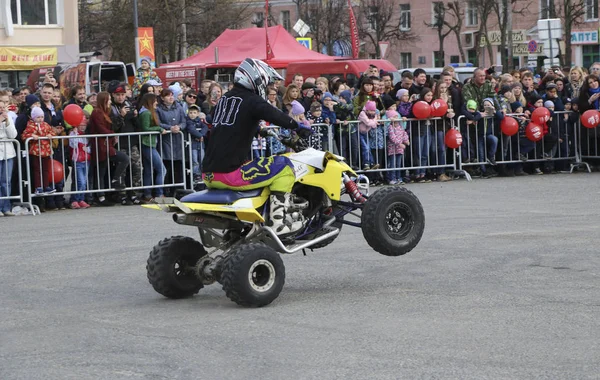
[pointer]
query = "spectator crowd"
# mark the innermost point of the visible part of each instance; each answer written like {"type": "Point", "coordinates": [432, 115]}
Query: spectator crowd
{"type": "Point", "coordinates": [372, 123]}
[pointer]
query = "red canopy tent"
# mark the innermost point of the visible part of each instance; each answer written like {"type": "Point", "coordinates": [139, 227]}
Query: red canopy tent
{"type": "Point", "coordinates": [234, 45]}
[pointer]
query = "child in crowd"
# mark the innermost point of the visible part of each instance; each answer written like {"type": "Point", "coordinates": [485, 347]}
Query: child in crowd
{"type": "Point", "coordinates": [346, 135]}
{"type": "Point", "coordinates": [404, 105]}
{"type": "Point", "coordinates": [196, 131]}
{"type": "Point", "coordinates": [396, 143]}
{"type": "Point", "coordinates": [80, 154]}
{"type": "Point", "coordinates": [315, 117]}
{"type": "Point", "coordinates": [367, 118]}
{"type": "Point", "coordinates": [40, 151]}
{"type": "Point", "coordinates": [7, 158]}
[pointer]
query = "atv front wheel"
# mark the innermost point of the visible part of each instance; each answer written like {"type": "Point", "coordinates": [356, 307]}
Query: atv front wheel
{"type": "Point", "coordinates": [171, 267]}
{"type": "Point", "coordinates": [253, 275]}
{"type": "Point", "coordinates": [393, 221]}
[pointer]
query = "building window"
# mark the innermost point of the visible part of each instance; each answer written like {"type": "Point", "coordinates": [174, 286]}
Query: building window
{"type": "Point", "coordinates": [590, 55]}
{"type": "Point", "coordinates": [472, 57]}
{"type": "Point", "coordinates": [405, 17]}
{"type": "Point", "coordinates": [34, 12]}
{"type": "Point", "coordinates": [373, 15]}
{"type": "Point", "coordinates": [437, 13]}
{"type": "Point", "coordinates": [454, 59]}
{"type": "Point", "coordinates": [422, 60]}
{"type": "Point", "coordinates": [285, 20]}
{"type": "Point", "coordinates": [591, 10]}
{"type": "Point", "coordinates": [405, 60]}
{"type": "Point", "coordinates": [471, 14]}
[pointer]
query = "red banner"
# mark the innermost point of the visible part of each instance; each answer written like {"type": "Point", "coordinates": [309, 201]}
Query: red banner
{"type": "Point", "coordinates": [353, 31]}
{"type": "Point", "coordinates": [146, 38]}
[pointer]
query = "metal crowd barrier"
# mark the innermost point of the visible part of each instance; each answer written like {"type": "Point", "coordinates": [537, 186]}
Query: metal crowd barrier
{"type": "Point", "coordinates": [485, 145]}
{"type": "Point", "coordinates": [426, 149]}
{"type": "Point", "coordinates": [6, 180]}
{"type": "Point", "coordinates": [58, 187]}
{"type": "Point", "coordinates": [589, 146]}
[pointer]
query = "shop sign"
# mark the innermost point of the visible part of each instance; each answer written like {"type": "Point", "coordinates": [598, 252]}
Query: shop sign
{"type": "Point", "coordinates": [584, 37]}
{"type": "Point", "coordinates": [494, 37]}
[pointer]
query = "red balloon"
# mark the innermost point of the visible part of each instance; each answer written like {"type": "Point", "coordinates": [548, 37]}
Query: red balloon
{"type": "Point", "coordinates": [439, 107]}
{"type": "Point", "coordinates": [534, 132]}
{"type": "Point", "coordinates": [590, 118]}
{"type": "Point", "coordinates": [73, 114]}
{"type": "Point", "coordinates": [509, 126]}
{"type": "Point", "coordinates": [421, 110]}
{"type": "Point", "coordinates": [540, 115]}
{"type": "Point", "coordinates": [453, 139]}
{"type": "Point", "coordinates": [55, 171]}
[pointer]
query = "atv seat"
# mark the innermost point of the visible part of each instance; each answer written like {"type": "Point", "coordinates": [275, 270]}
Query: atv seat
{"type": "Point", "coordinates": [214, 196]}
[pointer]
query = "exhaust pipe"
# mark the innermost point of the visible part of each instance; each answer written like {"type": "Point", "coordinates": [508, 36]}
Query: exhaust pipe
{"type": "Point", "coordinates": [203, 221]}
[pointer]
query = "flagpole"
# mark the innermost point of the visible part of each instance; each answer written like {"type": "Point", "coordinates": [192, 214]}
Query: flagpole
{"type": "Point", "coordinates": [266, 29]}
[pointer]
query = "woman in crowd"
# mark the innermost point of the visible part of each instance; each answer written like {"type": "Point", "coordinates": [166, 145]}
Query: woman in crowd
{"type": "Point", "coordinates": [364, 94]}
{"type": "Point", "coordinates": [172, 118]}
{"type": "Point", "coordinates": [189, 99]}
{"type": "Point", "coordinates": [576, 81]}
{"type": "Point", "coordinates": [292, 93]}
{"type": "Point", "coordinates": [322, 84]}
{"type": "Point", "coordinates": [7, 158]}
{"type": "Point", "coordinates": [103, 150]}
{"type": "Point", "coordinates": [438, 149]}
{"type": "Point", "coordinates": [215, 91]}
{"type": "Point", "coordinates": [589, 96]}
{"type": "Point", "coordinates": [154, 169]}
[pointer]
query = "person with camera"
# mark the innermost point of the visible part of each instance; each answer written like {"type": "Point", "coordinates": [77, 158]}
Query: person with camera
{"type": "Point", "coordinates": [124, 116]}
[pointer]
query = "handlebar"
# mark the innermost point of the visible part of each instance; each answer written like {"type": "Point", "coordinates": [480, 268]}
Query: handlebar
{"type": "Point", "coordinates": [293, 142]}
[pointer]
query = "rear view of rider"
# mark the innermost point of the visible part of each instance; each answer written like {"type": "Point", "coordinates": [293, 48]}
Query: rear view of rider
{"type": "Point", "coordinates": [235, 123]}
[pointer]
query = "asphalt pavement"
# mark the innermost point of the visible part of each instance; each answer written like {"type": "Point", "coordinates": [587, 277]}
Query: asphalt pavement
{"type": "Point", "coordinates": [505, 284]}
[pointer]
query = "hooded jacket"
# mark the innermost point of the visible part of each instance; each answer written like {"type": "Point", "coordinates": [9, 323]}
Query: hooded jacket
{"type": "Point", "coordinates": [235, 123]}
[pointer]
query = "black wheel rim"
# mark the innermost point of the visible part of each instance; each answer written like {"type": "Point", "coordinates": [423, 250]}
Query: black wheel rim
{"type": "Point", "coordinates": [183, 267]}
{"type": "Point", "coordinates": [399, 220]}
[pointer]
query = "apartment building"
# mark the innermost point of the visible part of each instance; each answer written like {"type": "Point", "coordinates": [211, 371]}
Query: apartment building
{"type": "Point", "coordinates": [36, 33]}
{"type": "Point", "coordinates": [416, 17]}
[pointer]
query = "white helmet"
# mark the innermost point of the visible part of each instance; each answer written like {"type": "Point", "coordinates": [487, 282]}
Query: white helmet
{"type": "Point", "coordinates": [255, 75]}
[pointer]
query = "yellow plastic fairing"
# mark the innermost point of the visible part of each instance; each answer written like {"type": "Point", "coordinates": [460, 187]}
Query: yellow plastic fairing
{"type": "Point", "coordinates": [330, 180]}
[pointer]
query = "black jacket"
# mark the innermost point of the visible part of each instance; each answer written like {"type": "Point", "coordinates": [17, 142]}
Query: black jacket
{"type": "Point", "coordinates": [235, 123]}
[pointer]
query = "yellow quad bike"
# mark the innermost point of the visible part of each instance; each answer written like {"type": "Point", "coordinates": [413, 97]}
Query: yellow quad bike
{"type": "Point", "coordinates": [244, 253]}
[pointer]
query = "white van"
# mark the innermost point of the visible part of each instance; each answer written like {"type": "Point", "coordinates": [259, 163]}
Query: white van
{"type": "Point", "coordinates": [462, 72]}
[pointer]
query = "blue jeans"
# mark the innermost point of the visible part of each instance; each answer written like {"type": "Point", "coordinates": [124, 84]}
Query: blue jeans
{"type": "Point", "coordinates": [153, 164]}
{"type": "Point", "coordinates": [81, 177]}
{"type": "Point", "coordinates": [395, 162]}
{"type": "Point", "coordinates": [422, 150]}
{"type": "Point", "coordinates": [197, 157]}
{"type": "Point", "coordinates": [365, 151]}
{"type": "Point", "coordinates": [6, 167]}
{"type": "Point", "coordinates": [438, 152]}
{"type": "Point", "coordinates": [491, 143]}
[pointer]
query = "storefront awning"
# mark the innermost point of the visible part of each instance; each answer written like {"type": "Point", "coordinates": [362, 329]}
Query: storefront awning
{"type": "Point", "coordinates": [28, 58]}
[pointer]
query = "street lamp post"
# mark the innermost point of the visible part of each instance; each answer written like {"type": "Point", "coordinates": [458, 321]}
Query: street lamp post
{"type": "Point", "coordinates": [135, 32]}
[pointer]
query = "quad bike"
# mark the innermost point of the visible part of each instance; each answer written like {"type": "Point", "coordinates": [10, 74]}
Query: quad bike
{"type": "Point", "coordinates": [243, 253]}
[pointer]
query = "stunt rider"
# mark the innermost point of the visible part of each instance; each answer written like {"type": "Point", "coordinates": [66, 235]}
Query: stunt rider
{"type": "Point", "coordinates": [235, 122]}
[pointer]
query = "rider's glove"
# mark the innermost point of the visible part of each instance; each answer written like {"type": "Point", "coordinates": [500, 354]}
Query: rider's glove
{"type": "Point", "coordinates": [303, 131]}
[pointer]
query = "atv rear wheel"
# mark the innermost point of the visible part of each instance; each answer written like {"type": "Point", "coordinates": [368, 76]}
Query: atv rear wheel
{"type": "Point", "coordinates": [393, 221]}
{"type": "Point", "coordinates": [171, 267]}
{"type": "Point", "coordinates": [253, 275]}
